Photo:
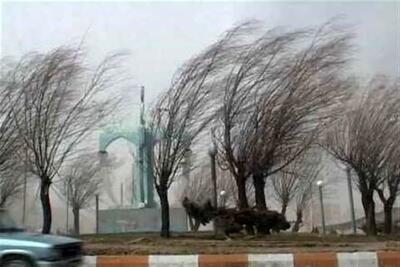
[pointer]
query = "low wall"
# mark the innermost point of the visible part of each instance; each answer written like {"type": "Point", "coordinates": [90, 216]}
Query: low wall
{"type": "Point", "coordinates": [139, 220]}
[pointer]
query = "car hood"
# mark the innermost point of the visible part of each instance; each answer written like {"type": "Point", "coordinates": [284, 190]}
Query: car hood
{"type": "Point", "coordinates": [51, 240]}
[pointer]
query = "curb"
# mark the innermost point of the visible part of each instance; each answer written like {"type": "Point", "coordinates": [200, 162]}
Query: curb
{"type": "Point", "coordinates": [319, 259]}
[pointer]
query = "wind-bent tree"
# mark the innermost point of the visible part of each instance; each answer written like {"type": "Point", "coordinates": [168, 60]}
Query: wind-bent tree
{"type": "Point", "coordinates": [366, 139]}
{"type": "Point", "coordinates": [11, 185]}
{"type": "Point", "coordinates": [181, 114]}
{"type": "Point", "coordinates": [199, 189]}
{"type": "Point", "coordinates": [254, 62]}
{"type": "Point", "coordinates": [294, 182]}
{"type": "Point", "coordinates": [80, 182]}
{"type": "Point", "coordinates": [10, 143]}
{"type": "Point", "coordinates": [285, 184]}
{"type": "Point", "coordinates": [389, 189]}
{"type": "Point", "coordinates": [297, 101]}
{"type": "Point", "coordinates": [60, 104]}
{"type": "Point", "coordinates": [278, 92]}
{"type": "Point", "coordinates": [303, 198]}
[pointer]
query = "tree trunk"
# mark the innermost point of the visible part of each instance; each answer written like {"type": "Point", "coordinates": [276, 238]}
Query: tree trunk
{"type": "Point", "coordinates": [243, 203]}
{"type": "Point", "coordinates": [75, 211]}
{"type": "Point", "coordinates": [241, 186]}
{"type": "Point", "coordinates": [259, 187]}
{"type": "Point", "coordinates": [191, 224]}
{"type": "Point", "coordinates": [284, 207]}
{"type": "Point", "coordinates": [46, 207]}
{"type": "Point", "coordinates": [2, 202]}
{"type": "Point", "coordinates": [196, 226]}
{"type": "Point", "coordinates": [299, 220]}
{"type": "Point", "coordinates": [369, 211]}
{"type": "Point", "coordinates": [163, 194]}
{"type": "Point", "coordinates": [388, 208]}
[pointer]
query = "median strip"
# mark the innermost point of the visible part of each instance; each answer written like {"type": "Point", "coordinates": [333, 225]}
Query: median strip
{"type": "Point", "coordinates": [320, 259]}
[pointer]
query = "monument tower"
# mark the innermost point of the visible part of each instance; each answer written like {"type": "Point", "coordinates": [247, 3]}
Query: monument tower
{"type": "Point", "coordinates": [143, 214]}
{"type": "Point", "coordinates": [142, 171]}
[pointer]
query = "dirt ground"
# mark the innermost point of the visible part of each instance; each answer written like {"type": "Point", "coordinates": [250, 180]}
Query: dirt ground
{"type": "Point", "coordinates": [205, 243]}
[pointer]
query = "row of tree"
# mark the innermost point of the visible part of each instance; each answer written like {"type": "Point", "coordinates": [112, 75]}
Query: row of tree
{"type": "Point", "coordinates": [270, 99]}
{"type": "Point", "coordinates": [49, 104]}
{"type": "Point", "coordinates": [367, 140]}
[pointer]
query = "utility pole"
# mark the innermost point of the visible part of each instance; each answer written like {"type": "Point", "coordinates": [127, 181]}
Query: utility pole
{"type": "Point", "coordinates": [142, 146]}
{"type": "Point", "coordinates": [398, 208]}
{"type": "Point", "coordinates": [122, 194]}
{"type": "Point", "coordinates": [319, 183]}
{"type": "Point", "coordinates": [24, 201]}
{"type": "Point", "coordinates": [353, 216]}
{"type": "Point", "coordinates": [66, 208]}
{"type": "Point", "coordinates": [212, 152]}
{"type": "Point", "coordinates": [311, 210]}
{"type": "Point", "coordinates": [24, 192]}
{"type": "Point", "coordinates": [186, 175]}
{"type": "Point", "coordinates": [97, 213]}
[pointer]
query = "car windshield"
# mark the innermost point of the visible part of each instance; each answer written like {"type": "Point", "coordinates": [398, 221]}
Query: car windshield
{"type": "Point", "coordinates": [7, 224]}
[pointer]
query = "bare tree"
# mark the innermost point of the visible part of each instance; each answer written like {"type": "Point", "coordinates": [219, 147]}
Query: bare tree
{"type": "Point", "coordinates": [296, 102]}
{"type": "Point", "coordinates": [199, 187]}
{"type": "Point", "coordinates": [199, 190]}
{"type": "Point", "coordinates": [181, 114]}
{"type": "Point", "coordinates": [389, 189]}
{"type": "Point", "coordinates": [254, 62]}
{"type": "Point", "coordinates": [10, 143]}
{"type": "Point", "coordinates": [278, 92]}
{"type": "Point", "coordinates": [232, 190]}
{"type": "Point", "coordinates": [294, 181]}
{"type": "Point", "coordinates": [81, 180]}
{"type": "Point", "coordinates": [60, 104]}
{"type": "Point", "coordinates": [285, 185]}
{"type": "Point", "coordinates": [11, 185]}
{"type": "Point", "coordinates": [366, 139]}
{"type": "Point", "coordinates": [303, 198]}
{"type": "Point", "coordinates": [388, 192]}
{"type": "Point", "coordinates": [306, 186]}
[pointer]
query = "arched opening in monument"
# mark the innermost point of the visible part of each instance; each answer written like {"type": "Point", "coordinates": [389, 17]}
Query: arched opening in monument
{"type": "Point", "coordinates": [117, 174]}
{"type": "Point", "coordinates": [139, 146]}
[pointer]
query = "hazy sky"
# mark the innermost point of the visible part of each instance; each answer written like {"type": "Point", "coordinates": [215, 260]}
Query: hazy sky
{"type": "Point", "coordinates": [161, 35]}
